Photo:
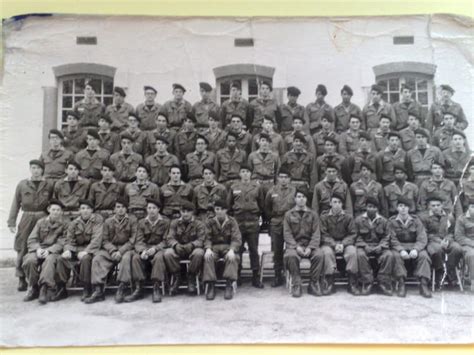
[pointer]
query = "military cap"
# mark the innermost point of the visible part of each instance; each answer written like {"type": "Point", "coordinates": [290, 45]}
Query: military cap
{"type": "Point", "coordinates": [300, 136]}
{"type": "Point", "coordinates": [301, 118]}
{"type": "Point", "coordinates": [367, 165]}
{"type": "Point", "coordinates": [232, 134]}
{"type": "Point", "coordinates": [301, 190]}
{"type": "Point", "coordinates": [154, 202]}
{"type": "Point", "coordinates": [131, 114]}
{"type": "Point", "coordinates": [86, 202]}
{"type": "Point", "coordinates": [122, 201]}
{"type": "Point", "coordinates": [384, 115]}
{"type": "Point", "coordinates": [331, 165]}
{"type": "Point", "coordinates": [200, 136]}
{"type": "Point", "coordinates": [126, 135]}
{"type": "Point", "coordinates": [437, 163]}
{"type": "Point", "coordinates": [355, 115]}
{"type": "Point", "coordinates": [268, 117]}
{"type": "Point", "coordinates": [148, 87]}
{"type": "Point", "coordinates": [327, 116]}
{"type": "Point", "coordinates": [236, 84]}
{"type": "Point", "coordinates": [403, 200]}
{"type": "Point", "coordinates": [293, 91]}
{"type": "Point", "coordinates": [284, 170]}
{"type": "Point", "coordinates": [190, 116]}
{"type": "Point", "coordinates": [187, 206]}
{"type": "Point", "coordinates": [434, 197]}
{"type": "Point", "coordinates": [120, 91]}
{"type": "Point", "coordinates": [162, 139]}
{"type": "Point", "coordinates": [347, 89]}
{"type": "Point", "coordinates": [106, 118]}
{"type": "Point", "coordinates": [322, 89]}
{"type": "Point", "coordinates": [56, 132]}
{"type": "Point", "coordinates": [56, 202]}
{"type": "Point", "coordinates": [338, 196]}
{"type": "Point", "coordinates": [221, 203]}
{"type": "Point", "coordinates": [393, 134]}
{"type": "Point", "coordinates": [214, 115]}
{"type": "Point", "coordinates": [422, 132]}
{"type": "Point", "coordinates": [93, 133]}
{"type": "Point", "coordinates": [414, 114]}
{"type": "Point", "coordinates": [238, 116]}
{"type": "Point", "coordinates": [164, 114]}
{"type": "Point", "coordinates": [264, 136]}
{"type": "Point", "coordinates": [72, 114]}
{"type": "Point", "coordinates": [377, 88]}
{"type": "Point", "coordinates": [37, 163]}
{"type": "Point", "coordinates": [398, 166]}
{"type": "Point", "coordinates": [108, 164]}
{"type": "Point", "coordinates": [75, 164]}
{"type": "Point", "coordinates": [459, 133]}
{"type": "Point", "coordinates": [447, 88]}
{"type": "Point", "coordinates": [446, 113]}
{"type": "Point", "coordinates": [178, 86]}
{"type": "Point", "coordinates": [205, 86]}
{"type": "Point", "coordinates": [245, 166]}
{"type": "Point", "coordinates": [177, 166]}
{"type": "Point", "coordinates": [144, 167]}
{"type": "Point", "coordinates": [208, 167]}
{"type": "Point", "coordinates": [373, 201]}
{"type": "Point", "coordinates": [267, 83]}
{"type": "Point", "coordinates": [331, 139]}
{"type": "Point", "coordinates": [365, 135]}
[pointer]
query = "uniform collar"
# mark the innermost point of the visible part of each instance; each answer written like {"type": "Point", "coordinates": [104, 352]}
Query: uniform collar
{"type": "Point", "coordinates": [430, 213]}
{"type": "Point", "coordinates": [377, 216]}
{"type": "Point", "coordinates": [305, 209]}
{"type": "Point", "coordinates": [398, 218]}
{"type": "Point", "coordinates": [113, 181]}
{"type": "Point", "coordinates": [155, 222]}
{"type": "Point", "coordinates": [332, 214]}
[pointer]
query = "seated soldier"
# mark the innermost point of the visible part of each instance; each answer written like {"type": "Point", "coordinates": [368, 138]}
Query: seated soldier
{"type": "Point", "coordinates": [464, 240]}
{"type": "Point", "coordinates": [302, 237]}
{"type": "Point", "coordinates": [92, 157]}
{"type": "Point", "coordinates": [75, 136]}
{"type": "Point", "coordinates": [299, 127]}
{"type": "Point", "coordinates": [118, 236]}
{"type": "Point", "coordinates": [373, 239]}
{"type": "Point", "coordinates": [330, 156]}
{"type": "Point", "coordinates": [223, 240]}
{"type": "Point", "coordinates": [338, 234]}
{"type": "Point", "coordinates": [185, 241]}
{"type": "Point", "coordinates": [229, 160]}
{"type": "Point", "coordinates": [149, 251]}
{"type": "Point", "coordinates": [45, 245]}
{"type": "Point", "coordinates": [408, 243]}
{"type": "Point", "coordinates": [83, 240]}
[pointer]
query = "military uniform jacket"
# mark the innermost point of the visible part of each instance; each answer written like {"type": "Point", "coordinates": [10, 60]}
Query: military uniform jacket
{"type": "Point", "coordinates": [323, 192]}
{"type": "Point", "coordinates": [48, 234]}
{"type": "Point", "coordinates": [172, 198]}
{"type": "Point", "coordinates": [109, 140]}
{"type": "Point", "coordinates": [216, 139]}
{"type": "Point", "coordinates": [343, 115]}
{"type": "Point", "coordinates": [371, 115]}
{"type": "Point", "coordinates": [442, 138]}
{"type": "Point", "coordinates": [348, 142]}
{"type": "Point", "coordinates": [119, 235]}
{"type": "Point", "coordinates": [89, 112]}
{"type": "Point", "coordinates": [385, 163]}
{"type": "Point", "coordinates": [455, 162]}
{"type": "Point", "coordinates": [194, 163]}
{"type": "Point", "coordinates": [302, 166]}
{"type": "Point", "coordinates": [437, 227]}
{"type": "Point", "coordinates": [446, 189]}
{"type": "Point", "coordinates": [360, 190]}
{"type": "Point", "coordinates": [70, 198]}
{"type": "Point", "coordinates": [29, 198]}
{"type": "Point", "coordinates": [264, 168]}
{"type": "Point", "coordinates": [401, 110]}
{"type": "Point", "coordinates": [139, 140]}
{"type": "Point", "coordinates": [55, 162]}
{"type": "Point", "coordinates": [287, 113]}
{"type": "Point", "coordinates": [350, 169]}
{"type": "Point", "coordinates": [323, 161]}
{"type": "Point", "coordinates": [185, 143]}
{"type": "Point", "coordinates": [202, 109]}
{"type": "Point", "coordinates": [228, 163]}
{"type": "Point", "coordinates": [260, 108]}
{"type": "Point", "coordinates": [152, 234]}
{"type": "Point", "coordinates": [119, 116]}
{"type": "Point", "coordinates": [176, 112]}
{"type": "Point", "coordinates": [104, 197]}
{"type": "Point", "coordinates": [159, 166]}
{"type": "Point", "coordinates": [409, 191]}
{"type": "Point", "coordinates": [246, 200]}
{"type": "Point", "coordinates": [435, 115]}
{"type": "Point", "coordinates": [85, 235]}
{"type": "Point", "coordinates": [277, 145]}
{"type": "Point", "coordinates": [407, 235]}
{"type": "Point", "coordinates": [148, 115]}
{"type": "Point", "coordinates": [150, 140]}
{"type": "Point", "coordinates": [138, 194]}
{"type": "Point", "coordinates": [372, 232]}
{"type": "Point", "coordinates": [309, 146]}
{"type": "Point", "coordinates": [76, 140]}
{"type": "Point", "coordinates": [337, 229]}
{"type": "Point", "coordinates": [380, 139]}
{"type": "Point", "coordinates": [278, 201]}
{"type": "Point", "coordinates": [315, 111]}
{"type": "Point", "coordinates": [421, 164]}
{"type": "Point", "coordinates": [319, 137]}
{"type": "Point", "coordinates": [467, 192]}
{"type": "Point", "coordinates": [244, 141]}
{"type": "Point", "coordinates": [227, 233]}
{"type": "Point", "coordinates": [182, 232]}
{"type": "Point", "coordinates": [464, 230]}
{"type": "Point", "coordinates": [125, 166]}
{"type": "Point", "coordinates": [205, 198]}
{"type": "Point", "coordinates": [301, 229]}
{"type": "Point", "coordinates": [230, 107]}
{"type": "Point", "coordinates": [91, 165]}
{"type": "Point", "coordinates": [408, 138]}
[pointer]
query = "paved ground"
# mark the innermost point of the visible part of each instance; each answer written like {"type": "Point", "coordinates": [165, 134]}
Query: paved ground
{"type": "Point", "coordinates": [253, 316]}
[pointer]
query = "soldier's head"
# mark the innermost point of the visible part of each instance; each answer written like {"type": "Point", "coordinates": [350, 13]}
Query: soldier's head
{"type": "Point", "coordinates": [142, 173]}
{"type": "Point", "coordinates": [321, 92]}
{"type": "Point", "coordinates": [119, 95]}
{"type": "Point", "coordinates": [107, 171]}
{"type": "Point", "coordinates": [413, 120]}
{"type": "Point", "coordinates": [399, 172]}
{"type": "Point", "coordinates": [235, 90]}
{"type": "Point", "coordinates": [133, 121]}
{"type": "Point", "coordinates": [189, 121]}
{"type": "Point", "coordinates": [161, 144]}
{"type": "Point", "coordinates": [405, 92]}
{"type": "Point", "coordinates": [403, 206]}
{"type": "Point", "coordinates": [449, 119]}
{"type": "Point", "coordinates": [435, 204]}
{"type": "Point", "coordinates": [470, 207]}
{"type": "Point", "coordinates": [175, 173]}
{"type": "Point", "coordinates": [208, 173]}
{"type": "Point", "coordinates": [293, 93]}
{"type": "Point", "coordinates": [376, 93]}
{"type": "Point", "coordinates": [326, 121]}
{"type": "Point", "coordinates": [470, 169]}
{"type": "Point", "coordinates": [126, 142]}
{"type": "Point", "coordinates": [89, 91]}
{"type": "Point", "coordinates": [346, 93]}
{"type": "Point", "coordinates": [93, 139]}
{"type": "Point", "coordinates": [245, 172]}
{"type": "Point", "coordinates": [421, 137]}
{"type": "Point", "coordinates": [55, 209]}
{"type": "Point", "coordinates": [393, 140]}
{"type": "Point", "coordinates": [220, 208]}
{"type": "Point", "coordinates": [265, 88]}
{"type": "Point", "coordinates": [231, 140]}
{"type": "Point", "coordinates": [301, 197]}
{"type": "Point", "coordinates": [36, 169]}
{"type": "Point", "coordinates": [264, 141]}
{"type": "Point", "coordinates": [354, 122]}
{"type": "Point", "coordinates": [72, 119]}
{"type": "Point", "coordinates": [178, 92]}
{"type": "Point", "coordinates": [201, 144]}
{"type": "Point", "coordinates": [372, 206]}
{"type": "Point", "coordinates": [121, 207]}
{"type": "Point", "coordinates": [366, 170]}
{"type": "Point", "coordinates": [86, 208]}
{"type": "Point", "coordinates": [299, 141]}
{"type": "Point", "coordinates": [153, 208]}
{"type": "Point", "coordinates": [437, 170]}
{"type": "Point", "coordinates": [330, 145]}
{"type": "Point", "coordinates": [104, 122]}
{"type": "Point", "coordinates": [205, 90]}
{"type": "Point", "coordinates": [364, 141]}
{"type": "Point", "coordinates": [446, 92]}
{"type": "Point", "coordinates": [150, 94]}
{"type": "Point", "coordinates": [187, 210]}
{"type": "Point", "coordinates": [298, 123]}
{"type": "Point", "coordinates": [267, 124]}
{"type": "Point", "coordinates": [213, 119]}
{"type": "Point", "coordinates": [336, 203]}
{"type": "Point", "coordinates": [458, 139]}
{"type": "Point", "coordinates": [56, 138]}
{"type": "Point", "coordinates": [72, 170]}
{"type": "Point", "coordinates": [284, 176]}
{"type": "Point", "coordinates": [385, 122]}
{"type": "Point", "coordinates": [161, 121]}
{"type": "Point", "coordinates": [331, 172]}
{"type": "Point", "coordinates": [236, 122]}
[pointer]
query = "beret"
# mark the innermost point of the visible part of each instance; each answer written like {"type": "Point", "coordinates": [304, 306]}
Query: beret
{"type": "Point", "coordinates": [322, 89]}
{"type": "Point", "coordinates": [187, 206]}
{"type": "Point", "coordinates": [37, 163]}
{"type": "Point", "coordinates": [208, 167]}
{"type": "Point", "coordinates": [144, 167]}
{"type": "Point", "coordinates": [367, 165]}
{"type": "Point", "coordinates": [190, 116]}
{"type": "Point", "coordinates": [93, 133]}
{"type": "Point", "coordinates": [131, 114]}
{"type": "Point", "coordinates": [108, 164]}
{"type": "Point", "coordinates": [459, 133]}
{"type": "Point", "coordinates": [338, 196]}
{"type": "Point", "coordinates": [403, 200]}
{"type": "Point", "coordinates": [238, 116]}
{"type": "Point", "coordinates": [245, 166]}
{"type": "Point", "coordinates": [148, 87]}
{"type": "Point", "coordinates": [296, 117]}
{"type": "Point", "coordinates": [393, 134]}
{"type": "Point", "coordinates": [373, 201]}
{"type": "Point", "coordinates": [328, 117]}
{"type": "Point", "coordinates": [75, 164]}
{"type": "Point", "coordinates": [347, 89]}
{"type": "Point", "coordinates": [398, 166]}
{"type": "Point", "coordinates": [161, 113]}
{"type": "Point", "coordinates": [384, 115]}
{"type": "Point", "coordinates": [377, 88]}
{"type": "Point", "coordinates": [267, 83]}
{"type": "Point", "coordinates": [106, 118]}
{"type": "Point", "coordinates": [86, 202]}
{"type": "Point", "coordinates": [365, 135]}
{"type": "Point", "coordinates": [300, 136]}
{"type": "Point", "coordinates": [268, 117]}
{"type": "Point", "coordinates": [265, 136]}
{"type": "Point", "coordinates": [154, 202]}
{"type": "Point", "coordinates": [232, 134]}
{"type": "Point", "coordinates": [434, 197]}
{"type": "Point", "coordinates": [447, 88]}
{"type": "Point", "coordinates": [293, 91]}
{"type": "Point", "coordinates": [205, 86]}
{"type": "Point", "coordinates": [221, 203]}
{"type": "Point", "coordinates": [331, 165]}
{"type": "Point", "coordinates": [422, 132]}
{"type": "Point", "coordinates": [414, 114]}
{"type": "Point", "coordinates": [72, 114]}
{"type": "Point", "coordinates": [178, 86]}
{"type": "Point", "coordinates": [120, 91]}
{"type": "Point", "coordinates": [331, 139]}
{"type": "Point", "coordinates": [301, 190]}
{"type": "Point", "coordinates": [284, 170]}
{"type": "Point", "coordinates": [122, 201]}
{"type": "Point", "coordinates": [200, 136]}
{"type": "Point", "coordinates": [236, 84]}
{"type": "Point", "coordinates": [55, 202]}
{"type": "Point", "coordinates": [56, 132]}
{"type": "Point", "coordinates": [126, 135]}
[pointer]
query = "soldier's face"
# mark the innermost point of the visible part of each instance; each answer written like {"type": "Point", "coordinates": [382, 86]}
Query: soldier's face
{"type": "Point", "coordinates": [406, 94]}
{"type": "Point", "coordinates": [235, 92]}
{"type": "Point", "coordinates": [331, 174]}
{"type": "Point", "coordinates": [205, 94]}
{"type": "Point", "coordinates": [92, 142]}
{"type": "Point", "coordinates": [376, 96]}
{"type": "Point", "coordinates": [231, 141]}
{"type": "Point", "coordinates": [264, 90]}
{"type": "Point", "coordinates": [72, 121]}
{"type": "Point", "coordinates": [89, 91]}
{"type": "Point", "coordinates": [300, 199]}
{"type": "Point", "coordinates": [267, 125]}
{"type": "Point", "coordinates": [399, 175]}
{"type": "Point", "coordinates": [421, 139]}
{"type": "Point", "coordinates": [371, 209]}
{"type": "Point", "coordinates": [330, 147]}
{"type": "Point", "coordinates": [103, 124]}
{"type": "Point", "coordinates": [160, 146]}
{"type": "Point", "coordinates": [245, 174]}
{"type": "Point", "coordinates": [448, 121]}
{"type": "Point", "coordinates": [186, 214]}
{"type": "Point", "coordinates": [325, 123]}
{"type": "Point", "coordinates": [141, 174]}
{"type": "Point", "coordinates": [394, 142]}
{"type": "Point", "coordinates": [446, 94]}
{"type": "Point", "coordinates": [106, 173]}
{"type": "Point", "coordinates": [402, 209]}
{"type": "Point", "coordinates": [120, 209]}
{"type": "Point", "coordinates": [345, 96]}
{"type": "Point", "coordinates": [220, 212]}
{"type": "Point", "coordinates": [150, 95]}
{"type": "Point", "coordinates": [292, 99]}
{"type": "Point", "coordinates": [152, 210]}
{"type": "Point", "coordinates": [212, 122]}
{"type": "Point", "coordinates": [263, 143]}
{"type": "Point", "coordinates": [207, 175]}
{"type": "Point", "coordinates": [436, 207]}
{"type": "Point", "coordinates": [127, 145]}
{"type": "Point", "coordinates": [85, 211]}
{"type": "Point", "coordinates": [365, 172]}
{"type": "Point", "coordinates": [458, 141]}
{"type": "Point", "coordinates": [436, 170]}
{"type": "Point", "coordinates": [189, 124]}
{"type": "Point", "coordinates": [54, 140]}
{"type": "Point", "coordinates": [175, 174]}
{"type": "Point", "coordinates": [319, 96]}
{"type": "Point", "coordinates": [363, 143]}
{"type": "Point", "coordinates": [297, 144]}
{"type": "Point", "coordinates": [384, 123]}
{"type": "Point", "coordinates": [297, 125]}
{"type": "Point", "coordinates": [161, 122]}
{"type": "Point", "coordinates": [133, 122]}
{"type": "Point", "coordinates": [36, 171]}
{"type": "Point", "coordinates": [200, 145]}
{"type": "Point", "coordinates": [55, 212]}
{"type": "Point", "coordinates": [72, 172]}
{"type": "Point", "coordinates": [354, 123]}
{"type": "Point", "coordinates": [118, 99]}
{"type": "Point", "coordinates": [178, 94]}
{"type": "Point", "coordinates": [336, 204]}
{"type": "Point", "coordinates": [413, 122]}
{"type": "Point", "coordinates": [284, 179]}
{"type": "Point", "coordinates": [236, 123]}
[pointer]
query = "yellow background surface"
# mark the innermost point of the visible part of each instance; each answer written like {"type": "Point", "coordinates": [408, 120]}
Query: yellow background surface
{"type": "Point", "coordinates": [242, 8]}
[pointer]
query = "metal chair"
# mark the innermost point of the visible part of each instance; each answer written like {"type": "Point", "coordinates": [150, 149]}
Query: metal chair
{"type": "Point", "coordinates": [183, 286]}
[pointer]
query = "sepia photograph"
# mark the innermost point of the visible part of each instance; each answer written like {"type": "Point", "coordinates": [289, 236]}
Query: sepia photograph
{"type": "Point", "coordinates": [236, 180]}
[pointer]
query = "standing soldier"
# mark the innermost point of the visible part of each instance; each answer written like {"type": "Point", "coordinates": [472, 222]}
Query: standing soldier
{"type": "Point", "coordinates": [177, 109]}
{"type": "Point", "coordinates": [31, 196]}
{"type": "Point", "coordinates": [208, 192]}
{"type": "Point", "coordinates": [367, 187]}
{"type": "Point", "coordinates": [126, 161]}
{"type": "Point", "coordinates": [45, 244]}
{"type": "Point", "coordinates": [139, 191]}
{"type": "Point", "coordinates": [83, 241]}
{"type": "Point", "coordinates": [352, 164]}
{"type": "Point", "coordinates": [319, 138]}
{"type": "Point", "coordinates": [467, 185]}
{"type": "Point", "coordinates": [118, 237]}
{"type": "Point", "coordinates": [119, 110]}
{"type": "Point", "coordinates": [195, 161]}
{"type": "Point", "coordinates": [302, 236]}
{"type": "Point", "coordinates": [214, 135]}
{"type": "Point", "coordinates": [185, 138]}
{"type": "Point", "coordinates": [420, 158]}
{"type": "Point", "coordinates": [298, 125]}
{"type": "Point", "coordinates": [380, 135]}
{"type": "Point", "coordinates": [70, 190]}
{"type": "Point", "coordinates": [92, 157]}
{"type": "Point", "coordinates": [56, 157]}
{"type": "Point", "coordinates": [408, 243]}
{"type": "Point", "coordinates": [404, 107]}
{"type": "Point", "coordinates": [174, 193]}
{"type": "Point", "coordinates": [349, 140]}
{"type": "Point", "coordinates": [345, 110]}
{"type": "Point", "coordinates": [456, 157]}
{"type": "Point", "coordinates": [278, 144]}
{"type": "Point", "coordinates": [139, 136]}
{"type": "Point", "coordinates": [289, 111]}
{"type": "Point", "coordinates": [278, 200]}
{"type": "Point", "coordinates": [244, 139]}
{"type": "Point", "coordinates": [387, 159]}
{"type": "Point", "coordinates": [108, 140]}
{"type": "Point", "coordinates": [247, 201]}
{"type": "Point", "coordinates": [229, 160]}
{"type": "Point", "coordinates": [159, 163]}
{"type": "Point", "coordinates": [464, 237]}
{"type": "Point", "coordinates": [74, 136]}
{"type": "Point", "coordinates": [150, 251]}
{"type": "Point", "coordinates": [338, 235]}
{"type": "Point", "coordinates": [147, 111]}
{"type": "Point", "coordinates": [330, 156]}
{"type": "Point", "coordinates": [443, 136]}
{"type": "Point", "coordinates": [329, 186]}
{"type": "Point", "coordinates": [373, 239]}
{"type": "Point", "coordinates": [401, 187]}
{"type": "Point", "coordinates": [373, 110]}
{"type": "Point", "coordinates": [315, 110]}
{"type": "Point", "coordinates": [185, 240]}
{"type": "Point", "coordinates": [89, 109]}
{"type": "Point", "coordinates": [205, 108]}
{"type": "Point", "coordinates": [223, 240]}
{"type": "Point", "coordinates": [161, 130]}
{"type": "Point", "coordinates": [235, 105]}
{"type": "Point", "coordinates": [445, 104]}
{"type": "Point", "coordinates": [408, 135]}
{"type": "Point", "coordinates": [105, 192]}
{"type": "Point", "coordinates": [262, 106]}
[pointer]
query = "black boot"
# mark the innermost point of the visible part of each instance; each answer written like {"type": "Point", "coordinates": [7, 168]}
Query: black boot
{"type": "Point", "coordinates": [119, 295]}
{"type": "Point", "coordinates": [136, 294]}
{"type": "Point", "coordinates": [314, 288]}
{"type": "Point", "coordinates": [402, 291]}
{"type": "Point", "coordinates": [191, 284]}
{"type": "Point", "coordinates": [31, 294]}
{"type": "Point", "coordinates": [43, 294]}
{"type": "Point", "coordinates": [61, 292]}
{"type": "Point", "coordinates": [156, 296]}
{"type": "Point", "coordinates": [353, 285]}
{"type": "Point", "coordinates": [278, 280]}
{"type": "Point", "coordinates": [366, 289]}
{"type": "Point", "coordinates": [425, 288]}
{"type": "Point", "coordinates": [175, 286]}
{"type": "Point", "coordinates": [229, 291]}
{"type": "Point", "coordinates": [97, 295]}
{"type": "Point", "coordinates": [297, 291]}
{"type": "Point", "coordinates": [22, 285]}
{"type": "Point", "coordinates": [211, 291]}
{"type": "Point", "coordinates": [385, 289]}
{"type": "Point", "coordinates": [329, 285]}
{"type": "Point", "coordinates": [86, 292]}
{"type": "Point", "coordinates": [256, 280]}
{"type": "Point", "coordinates": [438, 278]}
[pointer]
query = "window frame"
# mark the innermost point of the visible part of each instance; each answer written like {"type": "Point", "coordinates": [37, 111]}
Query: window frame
{"type": "Point", "coordinates": [402, 79]}
{"type": "Point", "coordinates": [244, 79]}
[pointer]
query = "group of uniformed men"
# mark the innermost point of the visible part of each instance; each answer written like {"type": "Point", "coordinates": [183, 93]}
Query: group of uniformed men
{"type": "Point", "coordinates": [145, 188]}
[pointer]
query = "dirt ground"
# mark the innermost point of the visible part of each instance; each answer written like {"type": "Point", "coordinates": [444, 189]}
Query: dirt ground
{"type": "Point", "coordinates": [253, 316]}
